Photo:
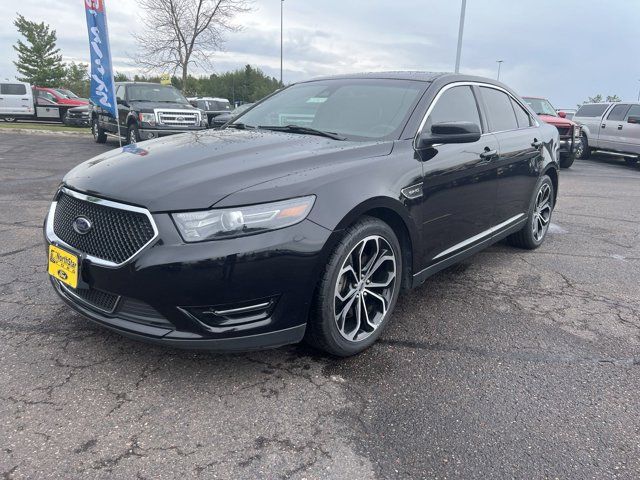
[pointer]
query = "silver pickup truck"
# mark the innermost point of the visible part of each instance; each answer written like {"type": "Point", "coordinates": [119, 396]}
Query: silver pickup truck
{"type": "Point", "coordinates": [610, 128]}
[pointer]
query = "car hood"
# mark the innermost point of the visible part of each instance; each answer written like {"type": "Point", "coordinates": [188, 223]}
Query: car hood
{"type": "Point", "coordinates": [150, 106]}
{"type": "Point", "coordinates": [196, 170]}
{"type": "Point", "coordinates": [557, 121]}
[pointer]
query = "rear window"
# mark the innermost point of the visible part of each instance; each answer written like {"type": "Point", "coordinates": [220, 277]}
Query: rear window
{"type": "Point", "coordinates": [13, 89]}
{"type": "Point", "coordinates": [595, 110]}
{"type": "Point", "coordinates": [499, 110]}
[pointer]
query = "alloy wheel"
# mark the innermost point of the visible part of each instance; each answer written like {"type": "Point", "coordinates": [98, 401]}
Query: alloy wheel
{"type": "Point", "coordinates": [542, 212]}
{"type": "Point", "coordinates": [364, 288]}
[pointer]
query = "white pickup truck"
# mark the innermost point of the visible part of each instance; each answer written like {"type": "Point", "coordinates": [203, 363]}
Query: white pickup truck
{"type": "Point", "coordinates": [610, 128]}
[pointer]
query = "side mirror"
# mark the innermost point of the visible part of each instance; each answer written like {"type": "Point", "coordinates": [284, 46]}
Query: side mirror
{"type": "Point", "coordinates": [120, 101]}
{"type": "Point", "coordinates": [450, 132]}
{"type": "Point", "coordinates": [562, 114]}
{"type": "Point", "coordinates": [633, 119]}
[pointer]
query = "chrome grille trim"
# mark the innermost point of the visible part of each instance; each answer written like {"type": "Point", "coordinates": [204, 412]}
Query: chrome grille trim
{"type": "Point", "coordinates": [54, 239]}
{"type": "Point", "coordinates": [177, 118]}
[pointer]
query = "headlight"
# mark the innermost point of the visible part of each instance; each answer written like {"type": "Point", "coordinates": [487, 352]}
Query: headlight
{"type": "Point", "coordinates": [577, 131]}
{"type": "Point", "coordinates": [234, 222]}
{"type": "Point", "coordinates": [149, 118]}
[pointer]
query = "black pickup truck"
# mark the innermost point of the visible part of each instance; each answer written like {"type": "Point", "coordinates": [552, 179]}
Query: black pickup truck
{"type": "Point", "coordinates": [146, 111]}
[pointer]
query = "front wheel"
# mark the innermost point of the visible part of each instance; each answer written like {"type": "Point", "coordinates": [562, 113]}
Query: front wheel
{"type": "Point", "coordinates": [358, 290]}
{"type": "Point", "coordinates": [99, 135]}
{"type": "Point", "coordinates": [10, 119]}
{"type": "Point", "coordinates": [585, 150]}
{"type": "Point", "coordinates": [567, 160]}
{"type": "Point", "coordinates": [133, 134]}
{"type": "Point", "coordinates": [539, 217]}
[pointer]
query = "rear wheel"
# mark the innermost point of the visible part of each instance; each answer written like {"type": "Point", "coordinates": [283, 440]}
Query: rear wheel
{"type": "Point", "coordinates": [539, 217]}
{"type": "Point", "coordinates": [631, 161]}
{"type": "Point", "coordinates": [99, 135]}
{"type": "Point", "coordinates": [358, 290]}
{"type": "Point", "coordinates": [10, 119]}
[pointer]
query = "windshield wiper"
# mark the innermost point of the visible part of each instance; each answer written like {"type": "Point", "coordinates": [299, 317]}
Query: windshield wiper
{"type": "Point", "coordinates": [240, 126]}
{"type": "Point", "coordinates": [303, 130]}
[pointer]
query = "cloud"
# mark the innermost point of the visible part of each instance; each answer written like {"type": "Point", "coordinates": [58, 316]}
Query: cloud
{"type": "Point", "coordinates": [562, 50]}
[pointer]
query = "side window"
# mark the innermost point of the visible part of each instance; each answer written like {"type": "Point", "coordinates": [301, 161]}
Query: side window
{"type": "Point", "coordinates": [618, 112]}
{"type": "Point", "coordinates": [13, 89]}
{"type": "Point", "coordinates": [499, 110]}
{"type": "Point", "coordinates": [634, 111]}
{"type": "Point", "coordinates": [523, 118]}
{"type": "Point", "coordinates": [120, 92]}
{"type": "Point", "coordinates": [458, 104]}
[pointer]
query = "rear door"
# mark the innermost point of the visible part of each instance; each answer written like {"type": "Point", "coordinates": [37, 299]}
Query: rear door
{"type": "Point", "coordinates": [459, 186]}
{"type": "Point", "coordinates": [520, 149]}
{"type": "Point", "coordinates": [630, 131]}
{"type": "Point", "coordinates": [15, 99]}
{"type": "Point", "coordinates": [610, 137]}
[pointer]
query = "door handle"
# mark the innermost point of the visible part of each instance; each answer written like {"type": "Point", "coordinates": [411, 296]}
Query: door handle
{"type": "Point", "coordinates": [536, 143]}
{"type": "Point", "coordinates": [619, 127]}
{"type": "Point", "coordinates": [603, 125]}
{"type": "Point", "coordinates": [488, 154]}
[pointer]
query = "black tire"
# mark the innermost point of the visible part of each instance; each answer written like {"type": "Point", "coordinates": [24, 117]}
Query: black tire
{"type": "Point", "coordinates": [631, 161]}
{"type": "Point", "coordinates": [586, 151]}
{"type": "Point", "coordinates": [10, 119]}
{"type": "Point", "coordinates": [323, 331]}
{"type": "Point", "coordinates": [133, 134]}
{"type": "Point", "coordinates": [99, 135]}
{"type": "Point", "coordinates": [567, 160]}
{"type": "Point", "coordinates": [526, 237]}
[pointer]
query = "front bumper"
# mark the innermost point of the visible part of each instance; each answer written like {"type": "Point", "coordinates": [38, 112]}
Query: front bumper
{"type": "Point", "coordinates": [190, 287]}
{"type": "Point", "coordinates": [77, 121]}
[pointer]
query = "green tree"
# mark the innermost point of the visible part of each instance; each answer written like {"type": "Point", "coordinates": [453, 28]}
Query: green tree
{"type": "Point", "coordinates": [599, 99]}
{"type": "Point", "coordinates": [613, 98]}
{"type": "Point", "coordinates": [39, 60]}
{"type": "Point", "coordinates": [77, 79]}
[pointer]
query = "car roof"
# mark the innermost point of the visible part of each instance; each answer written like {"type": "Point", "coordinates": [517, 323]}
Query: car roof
{"type": "Point", "coordinates": [142, 83]}
{"type": "Point", "coordinates": [217, 99]}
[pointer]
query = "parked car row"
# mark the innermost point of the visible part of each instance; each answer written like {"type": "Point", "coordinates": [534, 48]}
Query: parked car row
{"type": "Point", "coordinates": [20, 100]}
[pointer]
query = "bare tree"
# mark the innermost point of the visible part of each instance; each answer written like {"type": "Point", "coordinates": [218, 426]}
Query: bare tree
{"type": "Point", "coordinates": [180, 33]}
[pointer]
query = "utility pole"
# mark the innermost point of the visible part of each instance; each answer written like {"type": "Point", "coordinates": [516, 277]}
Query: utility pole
{"type": "Point", "coordinates": [460, 32]}
{"type": "Point", "coordinates": [281, 37]}
{"type": "Point", "coordinates": [639, 91]}
{"type": "Point", "coordinates": [499, 62]}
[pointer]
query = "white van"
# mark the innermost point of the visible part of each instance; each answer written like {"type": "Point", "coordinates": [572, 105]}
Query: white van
{"type": "Point", "coordinates": [16, 101]}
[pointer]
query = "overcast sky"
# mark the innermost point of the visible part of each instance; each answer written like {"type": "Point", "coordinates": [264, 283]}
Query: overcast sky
{"type": "Point", "coordinates": [564, 50]}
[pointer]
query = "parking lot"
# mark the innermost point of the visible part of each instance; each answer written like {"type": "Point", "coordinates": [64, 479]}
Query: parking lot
{"type": "Point", "coordinates": [522, 364]}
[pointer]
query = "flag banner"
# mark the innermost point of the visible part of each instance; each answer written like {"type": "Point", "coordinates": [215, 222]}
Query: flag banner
{"type": "Point", "coordinates": [102, 85]}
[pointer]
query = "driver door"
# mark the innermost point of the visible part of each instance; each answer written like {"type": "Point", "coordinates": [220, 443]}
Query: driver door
{"type": "Point", "coordinates": [460, 181]}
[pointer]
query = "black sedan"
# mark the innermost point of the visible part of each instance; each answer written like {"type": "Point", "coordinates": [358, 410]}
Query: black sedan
{"type": "Point", "coordinates": [306, 216]}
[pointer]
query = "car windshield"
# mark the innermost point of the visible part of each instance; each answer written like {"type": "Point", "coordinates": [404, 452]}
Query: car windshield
{"type": "Point", "coordinates": [541, 106]}
{"type": "Point", "coordinates": [155, 93]}
{"type": "Point", "coordinates": [66, 93]}
{"type": "Point", "coordinates": [357, 109]}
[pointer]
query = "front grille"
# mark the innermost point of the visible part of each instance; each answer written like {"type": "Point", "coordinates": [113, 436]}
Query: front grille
{"type": "Point", "coordinates": [140, 312]}
{"type": "Point", "coordinates": [565, 132]}
{"type": "Point", "coordinates": [116, 234]}
{"type": "Point", "coordinates": [176, 118]}
{"type": "Point", "coordinates": [95, 298]}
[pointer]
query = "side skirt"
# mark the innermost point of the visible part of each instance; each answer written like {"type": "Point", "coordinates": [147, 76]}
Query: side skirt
{"type": "Point", "coordinates": [420, 277]}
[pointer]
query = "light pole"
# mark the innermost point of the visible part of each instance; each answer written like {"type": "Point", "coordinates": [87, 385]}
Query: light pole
{"type": "Point", "coordinates": [460, 32]}
{"type": "Point", "coordinates": [281, 37]}
{"type": "Point", "coordinates": [639, 91]}
{"type": "Point", "coordinates": [499, 62]}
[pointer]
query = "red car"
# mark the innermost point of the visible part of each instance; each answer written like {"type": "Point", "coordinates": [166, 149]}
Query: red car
{"type": "Point", "coordinates": [59, 96]}
{"type": "Point", "coordinates": [571, 145]}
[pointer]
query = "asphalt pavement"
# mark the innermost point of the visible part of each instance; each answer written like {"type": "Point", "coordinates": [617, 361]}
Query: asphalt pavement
{"type": "Point", "coordinates": [513, 364]}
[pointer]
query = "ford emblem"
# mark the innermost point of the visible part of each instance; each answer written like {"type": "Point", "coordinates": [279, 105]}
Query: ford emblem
{"type": "Point", "coordinates": [82, 225]}
{"type": "Point", "coordinates": [180, 119]}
